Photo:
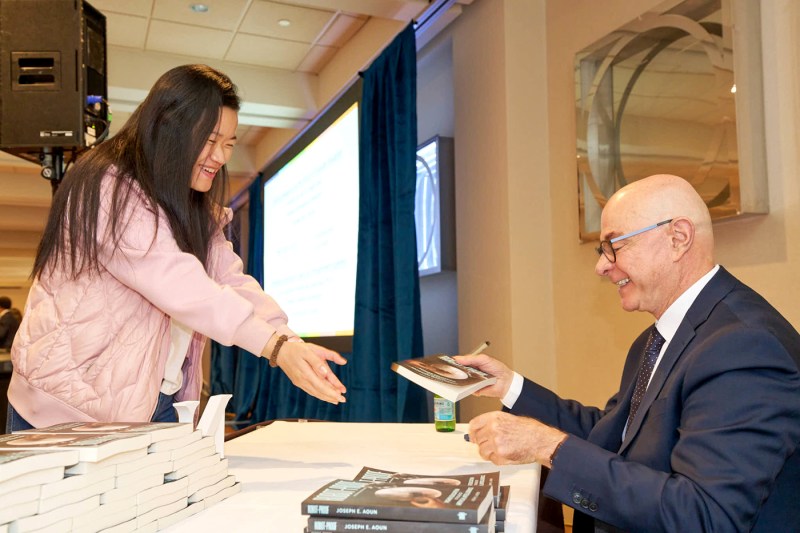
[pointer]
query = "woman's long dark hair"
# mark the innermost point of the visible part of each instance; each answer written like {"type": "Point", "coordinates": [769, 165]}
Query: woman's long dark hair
{"type": "Point", "coordinates": [157, 150]}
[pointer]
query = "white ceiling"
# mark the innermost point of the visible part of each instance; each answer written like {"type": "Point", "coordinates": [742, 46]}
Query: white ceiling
{"type": "Point", "coordinates": [275, 51]}
{"type": "Point", "coordinates": [285, 73]}
{"type": "Point", "coordinates": [240, 31]}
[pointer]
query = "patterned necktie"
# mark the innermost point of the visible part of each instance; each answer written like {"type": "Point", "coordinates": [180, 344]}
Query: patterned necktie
{"type": "Point", "coordinates": [654, 343]}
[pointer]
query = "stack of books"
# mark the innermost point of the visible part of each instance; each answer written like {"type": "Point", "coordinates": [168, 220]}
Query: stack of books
{"type": "Point", "coordinates": [116, 477]}
{"type": "Point", "coordinates": [393, 502]}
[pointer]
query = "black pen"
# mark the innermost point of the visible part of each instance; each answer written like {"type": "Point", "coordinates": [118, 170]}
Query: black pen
{"type": "Point", "coordinates": [466, 437]}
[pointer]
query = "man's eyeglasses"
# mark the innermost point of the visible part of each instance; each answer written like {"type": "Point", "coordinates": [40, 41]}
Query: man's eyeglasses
{"type": "Point", "coordinates": [606, 248]}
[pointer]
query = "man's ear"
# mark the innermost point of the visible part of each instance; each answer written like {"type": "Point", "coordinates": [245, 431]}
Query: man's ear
{"type": "Point", "coordinates": [681, 234]}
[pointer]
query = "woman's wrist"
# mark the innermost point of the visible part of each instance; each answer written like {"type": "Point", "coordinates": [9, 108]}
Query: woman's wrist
{"type": "Point", "coordinates": [269, 347]}
{"type": "Point", "coordinates": [273, 356]}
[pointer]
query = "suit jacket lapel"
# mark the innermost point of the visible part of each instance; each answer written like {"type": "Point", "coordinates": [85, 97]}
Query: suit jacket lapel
{"type": "Point", "coordinates": [716, 289]}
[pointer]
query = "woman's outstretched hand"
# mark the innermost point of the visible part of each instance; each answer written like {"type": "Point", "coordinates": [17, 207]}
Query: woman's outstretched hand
{"type": "Point", "coordinates": [306, 365]}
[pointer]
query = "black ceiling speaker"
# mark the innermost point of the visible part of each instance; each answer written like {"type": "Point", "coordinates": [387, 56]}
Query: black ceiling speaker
{"type": "Point", "coordinates": [53, 88]}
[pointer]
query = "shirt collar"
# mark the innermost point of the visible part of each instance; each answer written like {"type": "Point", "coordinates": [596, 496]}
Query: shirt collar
{"type": "Point", "coordinates": [668, 323]}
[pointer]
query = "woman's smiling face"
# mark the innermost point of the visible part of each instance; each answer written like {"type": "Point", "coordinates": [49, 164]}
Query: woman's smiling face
{"type": "Point", "coordinates": [217, 150]}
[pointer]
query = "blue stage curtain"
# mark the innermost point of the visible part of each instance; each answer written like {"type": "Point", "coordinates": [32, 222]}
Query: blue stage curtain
{"type": "Point", "coordinates": [259, 392]}
{"type": "Point", "coordinates": [235, 370]}
{"type": "Point", "coordinates": [387, 312]}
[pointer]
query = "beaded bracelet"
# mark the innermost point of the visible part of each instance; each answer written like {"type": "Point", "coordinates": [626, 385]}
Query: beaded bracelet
{"type": "Point", "coordinates": [273, 358]}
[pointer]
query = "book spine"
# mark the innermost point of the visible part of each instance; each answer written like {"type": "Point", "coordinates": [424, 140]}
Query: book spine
{"type": "Point", "coordinates": [325, 524]}
{"type": "Point", "coordinates": [370, 512]}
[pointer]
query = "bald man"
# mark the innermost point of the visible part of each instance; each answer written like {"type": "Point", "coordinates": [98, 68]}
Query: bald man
{"type": "Point", "coordinates": [703, 433]}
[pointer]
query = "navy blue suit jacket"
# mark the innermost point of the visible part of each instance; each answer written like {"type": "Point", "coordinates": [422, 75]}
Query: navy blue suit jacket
{"type": "Point", "coordinates": [714, 446]}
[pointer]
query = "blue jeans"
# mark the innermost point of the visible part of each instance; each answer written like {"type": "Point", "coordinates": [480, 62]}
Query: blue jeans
{"type": "Point", "coordinates": [14, 422]}
{"type": "Point", "coordinates": [164, 410]}
{"type": "Point", "coordinates": [164, 413]}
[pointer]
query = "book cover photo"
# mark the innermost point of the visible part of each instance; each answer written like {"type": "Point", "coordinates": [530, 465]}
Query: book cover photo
{"type": "Point", "coordinates": [478, 479]}
{"type": "Point", "coordinates": [400, 501]}
{"type": "Point", "coordinates": [158, 431]}
{"type": "Point", "coordinates": [441, 375]}
{"type": "Point", "coordinates": [92, 447]}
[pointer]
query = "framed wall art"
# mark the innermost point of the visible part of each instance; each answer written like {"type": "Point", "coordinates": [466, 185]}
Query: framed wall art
{"type": "Point", "coordinates": [676, 91]}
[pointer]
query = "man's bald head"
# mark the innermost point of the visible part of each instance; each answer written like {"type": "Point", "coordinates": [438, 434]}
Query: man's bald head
{"type": "Point", "coordinates": [652, 269]}
{"type": "Point", "coordinates": [661, 197]}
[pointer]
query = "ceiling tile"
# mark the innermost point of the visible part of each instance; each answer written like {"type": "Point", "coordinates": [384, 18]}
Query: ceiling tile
{"type": "Point", "coordinates": [221, 14]}
{"type": "Point", "coordinates": [266, 52]}
{"type": "Point", "coordinates": [306, 24]}
{"type": "Point", "coordinates": [187, 40]}
{"type": "Point", "coordinates": [126, 30]}
{"type": "Point", "coordinates": [390, 9]}
{"type": "Point", "coordinates": [316, 59]}
{"type": "Point", "coordinates": [139, 8]}
{"type": "Point", "coordinates": [342, 30]}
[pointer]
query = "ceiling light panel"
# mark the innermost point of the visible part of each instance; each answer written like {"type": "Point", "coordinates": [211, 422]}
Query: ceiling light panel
{"type": "Point", "coordinates": [306, 24]}
{"type": "Point", "coordinates": [186, 40]}
{"type": "Point", "coordinates": [221, 15]}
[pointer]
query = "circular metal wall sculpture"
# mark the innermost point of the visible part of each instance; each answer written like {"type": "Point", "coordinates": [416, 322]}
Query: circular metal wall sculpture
{"type": "Point", "coordinates": [658, 96]}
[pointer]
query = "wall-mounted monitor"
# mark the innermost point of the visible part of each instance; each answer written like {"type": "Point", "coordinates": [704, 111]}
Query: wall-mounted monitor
{"type": "Point", "coordinates": [434, 206]}
{"type": "Point", "coordinates": [311, 227]}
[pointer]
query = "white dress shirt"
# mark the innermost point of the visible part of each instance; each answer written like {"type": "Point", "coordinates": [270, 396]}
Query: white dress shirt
{"type": "Point", "coordinates": [179, 339]}
{"type": "Point", "coordinates": [667, 325]}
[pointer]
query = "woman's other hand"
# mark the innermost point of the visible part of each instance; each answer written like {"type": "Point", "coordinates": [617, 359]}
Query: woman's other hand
{"type": "Point", "coordinates": [306, 365]}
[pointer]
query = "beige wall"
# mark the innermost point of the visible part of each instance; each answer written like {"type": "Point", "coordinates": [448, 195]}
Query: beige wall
{"type": "Point", "coordinates": [524, 280]}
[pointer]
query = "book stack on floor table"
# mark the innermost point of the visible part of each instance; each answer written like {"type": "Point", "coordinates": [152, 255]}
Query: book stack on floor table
{"type": "Point", "coordinates": [382, 500]}
{"type": "Point", "coordinates": [114, 477]}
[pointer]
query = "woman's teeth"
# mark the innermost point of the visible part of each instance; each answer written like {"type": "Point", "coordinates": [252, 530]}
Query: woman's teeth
{"type": "Point", "coordinates": [623, 282]}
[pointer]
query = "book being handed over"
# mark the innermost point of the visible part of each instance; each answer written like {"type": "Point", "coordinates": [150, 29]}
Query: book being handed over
{"type": "Point", "coordinates": [441, 375]}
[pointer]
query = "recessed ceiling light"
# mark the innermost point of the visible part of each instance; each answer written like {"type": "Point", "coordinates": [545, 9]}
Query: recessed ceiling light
{"type": "Point", "coordinates": [284, 23]}
{"type": "Point", "coordinates": [199, 8]}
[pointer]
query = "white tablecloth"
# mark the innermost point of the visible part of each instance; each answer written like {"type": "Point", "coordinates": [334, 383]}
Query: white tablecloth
{"type": "Point", "coordinates": [281, 464]}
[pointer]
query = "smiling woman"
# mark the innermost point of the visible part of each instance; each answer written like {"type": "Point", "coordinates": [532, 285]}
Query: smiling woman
{"type": "Point", "coordinates": [134, 272]}
{"type": "Point", "coordinates": [217, 151]}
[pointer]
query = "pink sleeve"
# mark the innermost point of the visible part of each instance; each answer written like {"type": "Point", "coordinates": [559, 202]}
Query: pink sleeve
{"type": "Point", "coordinates": [151, 263]}
{"type": "Point", "coordinates": [228, 269]}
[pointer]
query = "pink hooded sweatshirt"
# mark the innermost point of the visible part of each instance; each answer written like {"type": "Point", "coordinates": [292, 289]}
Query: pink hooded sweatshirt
{"type": "Point", "coordinates": [95, 348]}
